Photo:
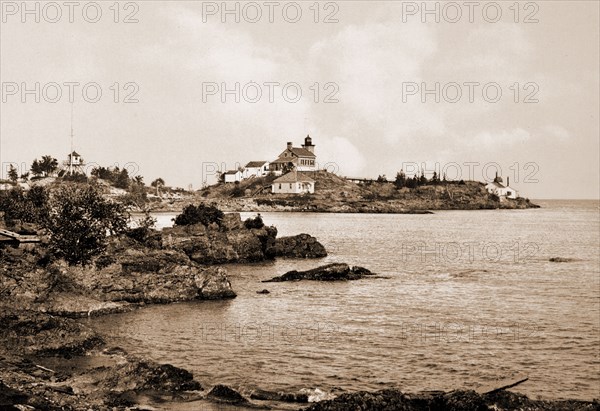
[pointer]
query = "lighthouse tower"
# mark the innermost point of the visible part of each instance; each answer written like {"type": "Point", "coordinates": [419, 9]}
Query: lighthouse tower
{"type": "Point", "coordinates": [308, 144]}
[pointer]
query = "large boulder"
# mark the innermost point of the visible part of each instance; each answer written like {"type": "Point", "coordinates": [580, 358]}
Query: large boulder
{"type": "Point", "coordinates": [330, 272]}
{"type": "Point", "coordinates": [299, 246]}
{"type": "Point", "coordinates": [225, 394]}
{"type": "Point", "coordinates": [213, 284]}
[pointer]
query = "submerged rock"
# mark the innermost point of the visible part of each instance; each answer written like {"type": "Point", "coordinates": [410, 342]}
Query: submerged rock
{"type": "Point", "coordinates": [561, 260]}
{"type": "Point", "coordinates": [264, 395]}
{"type": "Point", "coordinates": [299, 246]}
{"type": "Point", "coordinates": [265, 291]}
{"type": "Point", "coordinates": [330, 272]}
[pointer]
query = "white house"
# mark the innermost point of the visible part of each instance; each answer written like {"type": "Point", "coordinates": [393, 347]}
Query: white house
{"type": "Point", "coordinates": [296, 158]}
{"type": "Point", "coordinates": [496, 187]}
{"type": "Point", "coordinates": [293, 183]}
{"type": "Point", "coordinates": [232, 176]}
{"type": "Point", "coordinates": [256, 169]}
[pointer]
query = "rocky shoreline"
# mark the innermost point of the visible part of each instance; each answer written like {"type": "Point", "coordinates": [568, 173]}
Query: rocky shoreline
{"type": "Point", "coordinates": [50, 360]}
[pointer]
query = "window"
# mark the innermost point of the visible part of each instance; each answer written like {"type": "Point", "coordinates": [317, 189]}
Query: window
{"type": "Point", "coordinates": [290, 185]}
{"type": "Point", "coordinates": [280, 186]}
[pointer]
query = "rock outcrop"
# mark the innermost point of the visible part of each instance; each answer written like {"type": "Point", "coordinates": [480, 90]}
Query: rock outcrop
{"type": "Point", "coordinates": [393, 400]}
{"type": "Point", "coordinates": [232, 242]}
{"type": "Point", "coordinates": [330, 272]}
{"type": "Point", "coordinates": [299, 246]}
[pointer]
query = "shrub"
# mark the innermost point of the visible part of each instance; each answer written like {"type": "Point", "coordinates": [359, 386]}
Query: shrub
{"type": "Point", "coordinates": [201, 214]}
{"type": "Point", "coordinates": [79, 221]}
{"type": "Point", "coordinates": [29, 207]}
{"type": "Point", "coordinates": [256, 222]}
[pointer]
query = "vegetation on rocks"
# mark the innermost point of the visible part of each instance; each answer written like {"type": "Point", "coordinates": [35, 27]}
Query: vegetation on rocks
{"type": "Point", "coordinates": [200, 214]}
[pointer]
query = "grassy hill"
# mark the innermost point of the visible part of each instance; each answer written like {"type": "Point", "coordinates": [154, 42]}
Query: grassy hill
{"type": "Point", "coordinates": [336, 194]}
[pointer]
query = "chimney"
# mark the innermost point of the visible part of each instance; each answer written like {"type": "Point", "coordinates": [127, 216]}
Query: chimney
{"type": "Point", "coordinates": [507, 181]}
{"type": "Point", "coordinates": [289, 145]}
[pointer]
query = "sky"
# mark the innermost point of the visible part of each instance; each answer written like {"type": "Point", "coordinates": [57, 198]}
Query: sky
{"type": "Point", "coordinates": [517, 88]}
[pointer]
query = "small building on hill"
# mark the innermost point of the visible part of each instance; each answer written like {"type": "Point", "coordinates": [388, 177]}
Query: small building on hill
{"type": "Point", "coordinates": [293, 183]}
{"type": "Point", "coordinates": [256, 169]}
{"type": "Point", "coordinates": [232, 176]}
{"type": "Point", "coordinates": [74, 164]}
{"type": "Point", "coordinates": [498, 188]}
{"type": "Point", "coordinates": [296, 158]}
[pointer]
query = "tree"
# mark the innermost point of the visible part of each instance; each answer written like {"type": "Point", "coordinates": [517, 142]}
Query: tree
{"type": "Point", "coordinates": [382, 179]}
{"type": "Point", "coordinates": [46, 166]}
{"type": "Point", "coordinates": [79, 221]}
{"type": "Point", "coordinates": [27, 206]}
{"type": "Point", "coordinates": [122, 179]}
{"type": "Point", "coordinates": [49, 165]}
{"type": "Point", "coordinates": [400, 181]}
{"type": "Point", "coordinates": [25, 176]}
{"type": "Point", "coordinates": [158, 183]}
{"type": "Point", "coordinates": [12, 174]}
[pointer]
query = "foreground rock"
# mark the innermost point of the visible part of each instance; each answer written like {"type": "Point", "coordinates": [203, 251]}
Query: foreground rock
{"type": "Point", "coordinates": [394, 400]}
{"type": "Point", "coordinates": [128, 275]}
{"type": "Point", "coordinates": [51, 363]}
{"type": "Point", "coordinates": [330, 272]}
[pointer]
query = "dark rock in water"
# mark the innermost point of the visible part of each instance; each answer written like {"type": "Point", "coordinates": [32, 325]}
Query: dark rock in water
{"type": "Point", "coordinates": [265, 291]}
{"type": "Point", "coordinates": [143, 375]}
{"type": "Point", "coordinates": [222, 393]}
{"type": "Point", "coordinates": [213, 284]}
{"type": "Point", "coordinates": [330, 272]}
{"type": "Point", "coordinates": [279, 396]}
{"type": "Point", "coordinates": [561, 260]}
{"type": "Point", "coordinates": [299, 246]}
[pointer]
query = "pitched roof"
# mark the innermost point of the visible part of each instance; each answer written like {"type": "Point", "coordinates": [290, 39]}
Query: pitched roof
{"type": "Point", "coordinates": [496, 184]}
{"type": "Point", "coordinates": [74, 154]}
{"type": "Point", "coordinates": [232, 172]}
{"type": "Point", "coordinates": [284, 160]}
{"type": "Point", "coordinates": [256, 164]}
{"type": "Point", "coordinates": [302, 152]}
{"type": "Point", "coordinates": [294, 177]}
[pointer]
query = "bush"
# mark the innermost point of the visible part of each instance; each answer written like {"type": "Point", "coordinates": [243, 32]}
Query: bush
{"type": "Point", "coordinates": [256, 222]}
{"type": "Point", "coordinates": [79, 221]}
{"type": "Point", "coordinates": [28, 207]}
{"type": "Point", "coordinates": [201, 214]}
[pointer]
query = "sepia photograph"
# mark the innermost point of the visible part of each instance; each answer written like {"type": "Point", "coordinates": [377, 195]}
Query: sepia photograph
{"type": "Point", "coordinates": [311, 205]}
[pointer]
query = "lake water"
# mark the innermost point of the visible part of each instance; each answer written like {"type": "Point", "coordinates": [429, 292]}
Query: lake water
{"type": "Point", "coordinates": [471, 297]}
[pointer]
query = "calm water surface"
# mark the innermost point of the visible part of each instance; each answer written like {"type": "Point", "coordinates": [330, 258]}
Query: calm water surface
{"type": "Point", "coordinates": [471, 297]}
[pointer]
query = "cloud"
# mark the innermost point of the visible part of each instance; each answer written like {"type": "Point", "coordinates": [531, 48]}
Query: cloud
{"type": "Point", "coordinates": [340, 153]}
